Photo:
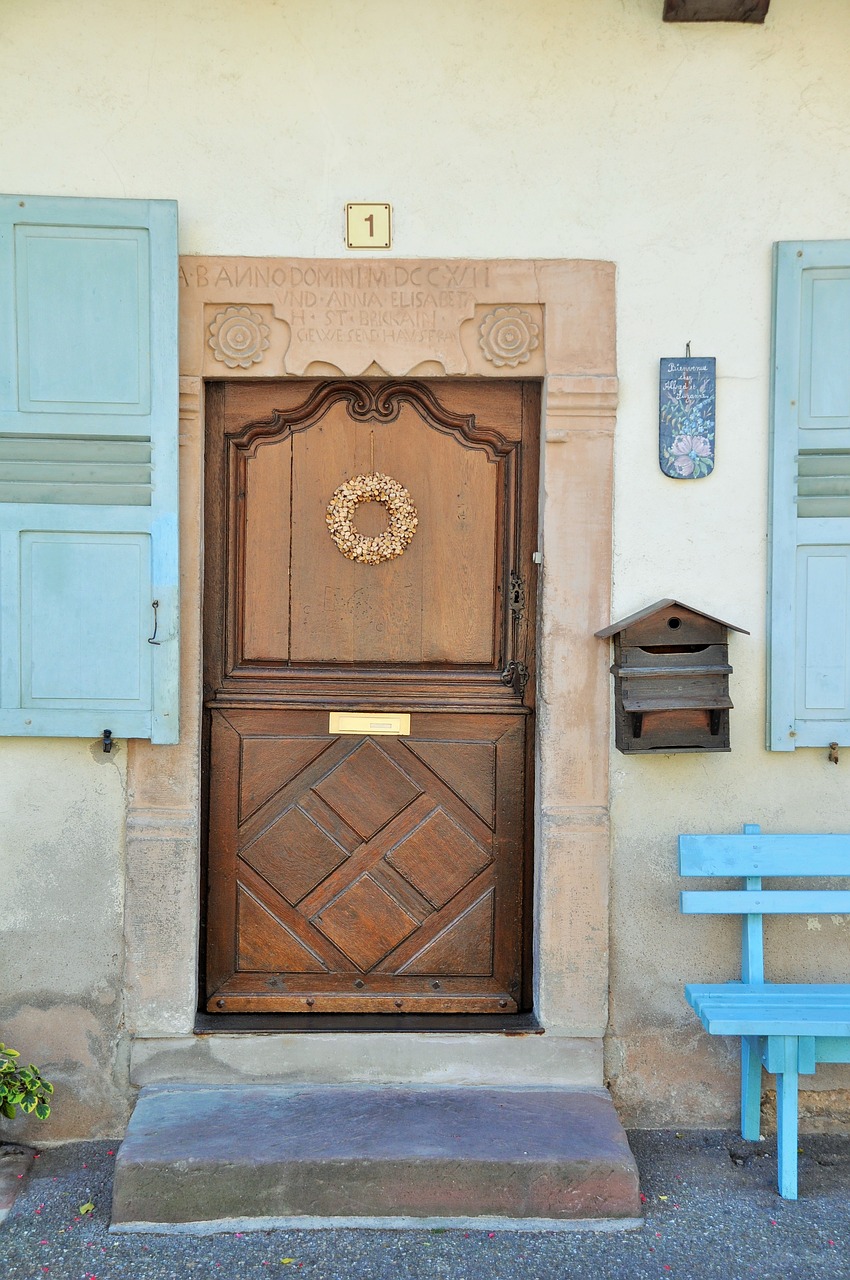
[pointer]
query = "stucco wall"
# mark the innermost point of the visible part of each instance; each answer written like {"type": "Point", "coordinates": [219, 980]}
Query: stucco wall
{"type": "Point", "coordinates": [61, 959]}
{"type": "Point", "coordinates": [550, 129]}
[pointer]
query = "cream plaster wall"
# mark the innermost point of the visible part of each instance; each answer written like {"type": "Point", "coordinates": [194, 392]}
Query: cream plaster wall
{"type": "Point", "coordinates": [554, 128]}
{"type": "Point", "coordinates": [62, 952]}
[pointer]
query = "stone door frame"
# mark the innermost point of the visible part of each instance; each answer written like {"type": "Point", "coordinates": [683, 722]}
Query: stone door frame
{"type": "Point", "coordinates": [272, 318]}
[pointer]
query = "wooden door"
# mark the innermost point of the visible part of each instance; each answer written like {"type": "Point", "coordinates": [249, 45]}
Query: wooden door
{"type": "Point", "coordinates": [379, 865]}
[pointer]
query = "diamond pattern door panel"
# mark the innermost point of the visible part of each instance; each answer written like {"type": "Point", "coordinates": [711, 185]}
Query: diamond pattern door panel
{"type": "Point", "coordinates": [377, 874]}
{"type": "Point", "coordinates": [366, 790]}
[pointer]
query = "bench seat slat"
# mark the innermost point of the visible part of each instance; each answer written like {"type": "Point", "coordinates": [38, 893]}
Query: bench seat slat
{"type": "Point", "coordinates": [830, 992]}
{"type": "Point", "coordinates": [764, 855]}
{"type": "Point", "coordinates": [788, 902]}
{"type": "Point", "coordinates": [756, 1010]}
{"type": "Point", "coordinates": [727, 1025]}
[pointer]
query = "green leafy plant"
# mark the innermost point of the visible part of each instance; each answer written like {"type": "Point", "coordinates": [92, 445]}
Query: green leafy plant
{"type": "Point", "coordinates": [23, 1087]}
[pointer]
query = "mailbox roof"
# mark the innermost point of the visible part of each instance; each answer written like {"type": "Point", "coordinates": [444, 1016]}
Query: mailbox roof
{"type": "Point", "coordinates": [656, 608]}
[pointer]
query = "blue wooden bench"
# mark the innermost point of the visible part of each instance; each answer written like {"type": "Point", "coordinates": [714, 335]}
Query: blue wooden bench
{"type": "Point", "coordinates": [785, 1027]}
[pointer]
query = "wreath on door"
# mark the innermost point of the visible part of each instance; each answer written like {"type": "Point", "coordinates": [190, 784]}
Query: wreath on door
{"type": "Point", "coordinates": [401, 513]}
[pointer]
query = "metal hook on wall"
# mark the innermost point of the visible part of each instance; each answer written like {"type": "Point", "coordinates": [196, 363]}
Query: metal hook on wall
{"type": "Point", "coordinates": [152, 639]}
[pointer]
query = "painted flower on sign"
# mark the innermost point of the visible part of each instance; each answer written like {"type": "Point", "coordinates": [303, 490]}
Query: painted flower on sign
{"type": "Point", "coordinates": [689, 454]}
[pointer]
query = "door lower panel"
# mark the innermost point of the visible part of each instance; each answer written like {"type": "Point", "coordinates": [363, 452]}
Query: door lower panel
{"type": "Point", "coordinates": [380, 874]}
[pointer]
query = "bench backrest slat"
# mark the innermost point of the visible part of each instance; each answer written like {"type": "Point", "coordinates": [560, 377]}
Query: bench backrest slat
{"type": "Point", "coordinates": [752, 855]}
{"type": "Point", "coordinates": [764, 855]}
{"type": "Point", "coordinates": [783, 902]}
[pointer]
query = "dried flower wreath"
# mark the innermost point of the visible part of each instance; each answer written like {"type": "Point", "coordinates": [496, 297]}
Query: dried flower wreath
{"type": "Point", "coordinates": [400, 509]}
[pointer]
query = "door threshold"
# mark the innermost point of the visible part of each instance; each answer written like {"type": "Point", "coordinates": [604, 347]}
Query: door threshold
{"type": "Point", "coordinates": [247, 1023]}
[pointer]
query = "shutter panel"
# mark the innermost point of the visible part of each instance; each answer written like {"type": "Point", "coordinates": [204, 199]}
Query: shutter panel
{"type": "Point", "coordinates": [88, 467]}
{"type": "Point", "coordinates": [809, 696]}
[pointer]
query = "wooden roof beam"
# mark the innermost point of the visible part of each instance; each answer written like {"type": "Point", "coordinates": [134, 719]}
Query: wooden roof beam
{"type": "Point", "coordinates": [715, 10]}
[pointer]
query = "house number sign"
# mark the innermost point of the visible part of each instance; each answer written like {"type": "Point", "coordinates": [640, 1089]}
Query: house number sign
{"type": "Point", "coordinates": [368, 226]}
{"type": "Point", "coordinates": [686, 417]}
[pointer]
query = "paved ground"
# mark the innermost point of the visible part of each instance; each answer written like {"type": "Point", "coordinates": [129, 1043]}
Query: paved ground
{"type": "Point", "coordinates": [711, 1211]}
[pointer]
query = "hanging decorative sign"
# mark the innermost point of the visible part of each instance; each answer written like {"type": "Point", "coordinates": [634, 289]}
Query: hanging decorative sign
{"type": "Point", "coordinates": [686, 417]}
{"type": "Point", "coordinates": [375, 487]}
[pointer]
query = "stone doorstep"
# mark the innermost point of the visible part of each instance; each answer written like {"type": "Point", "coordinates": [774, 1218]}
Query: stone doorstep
{"type": "Point", "coordinates": [203, 1154]}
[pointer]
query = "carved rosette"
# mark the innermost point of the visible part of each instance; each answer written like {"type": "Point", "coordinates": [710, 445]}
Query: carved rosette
{"type": "Point", "coordinates": [508, 336]}
{"type": "Point", "coordinates": [239, 337]}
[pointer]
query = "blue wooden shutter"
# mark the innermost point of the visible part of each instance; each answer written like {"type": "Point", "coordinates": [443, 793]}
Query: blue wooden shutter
{"type": "Point", "coordinates": [809, 700]}
{"type": "Point", "coordinates": [88, 467]}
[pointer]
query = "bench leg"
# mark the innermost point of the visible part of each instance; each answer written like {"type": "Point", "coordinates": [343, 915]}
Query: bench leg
{"type": "Point", "coordinates": [786, 1119]}
{"type": "Point", "coordinates": [750, 1088]}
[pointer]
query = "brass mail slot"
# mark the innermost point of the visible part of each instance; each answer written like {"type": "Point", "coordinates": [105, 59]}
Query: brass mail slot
{"type": "Point", "coordinates": [372, 722]}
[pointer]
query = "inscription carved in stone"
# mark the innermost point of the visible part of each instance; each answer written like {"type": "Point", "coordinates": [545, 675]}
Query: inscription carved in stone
{"type": "Point", "coordinates": [239, 337]}
{"type": "Point", "coordinates": [345, 314]}
{"type": "Point", "coordinates": [508, 336]}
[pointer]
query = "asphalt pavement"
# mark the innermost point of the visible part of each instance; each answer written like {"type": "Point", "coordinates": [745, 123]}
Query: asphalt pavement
{"type": "Point", "coordinates": [712, 1211]}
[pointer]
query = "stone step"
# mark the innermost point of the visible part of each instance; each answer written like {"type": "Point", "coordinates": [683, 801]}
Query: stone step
{"type": "Point", "coordinates": [262, 1155]}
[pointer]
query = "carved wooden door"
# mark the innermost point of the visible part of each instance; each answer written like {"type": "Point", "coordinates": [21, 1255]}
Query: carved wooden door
{"type": "Point", "coordinates": [369, 723]}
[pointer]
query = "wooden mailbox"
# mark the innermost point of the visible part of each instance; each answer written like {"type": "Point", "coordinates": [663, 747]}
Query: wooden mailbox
{"type": "Point", "coordinates": [671, 679]}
